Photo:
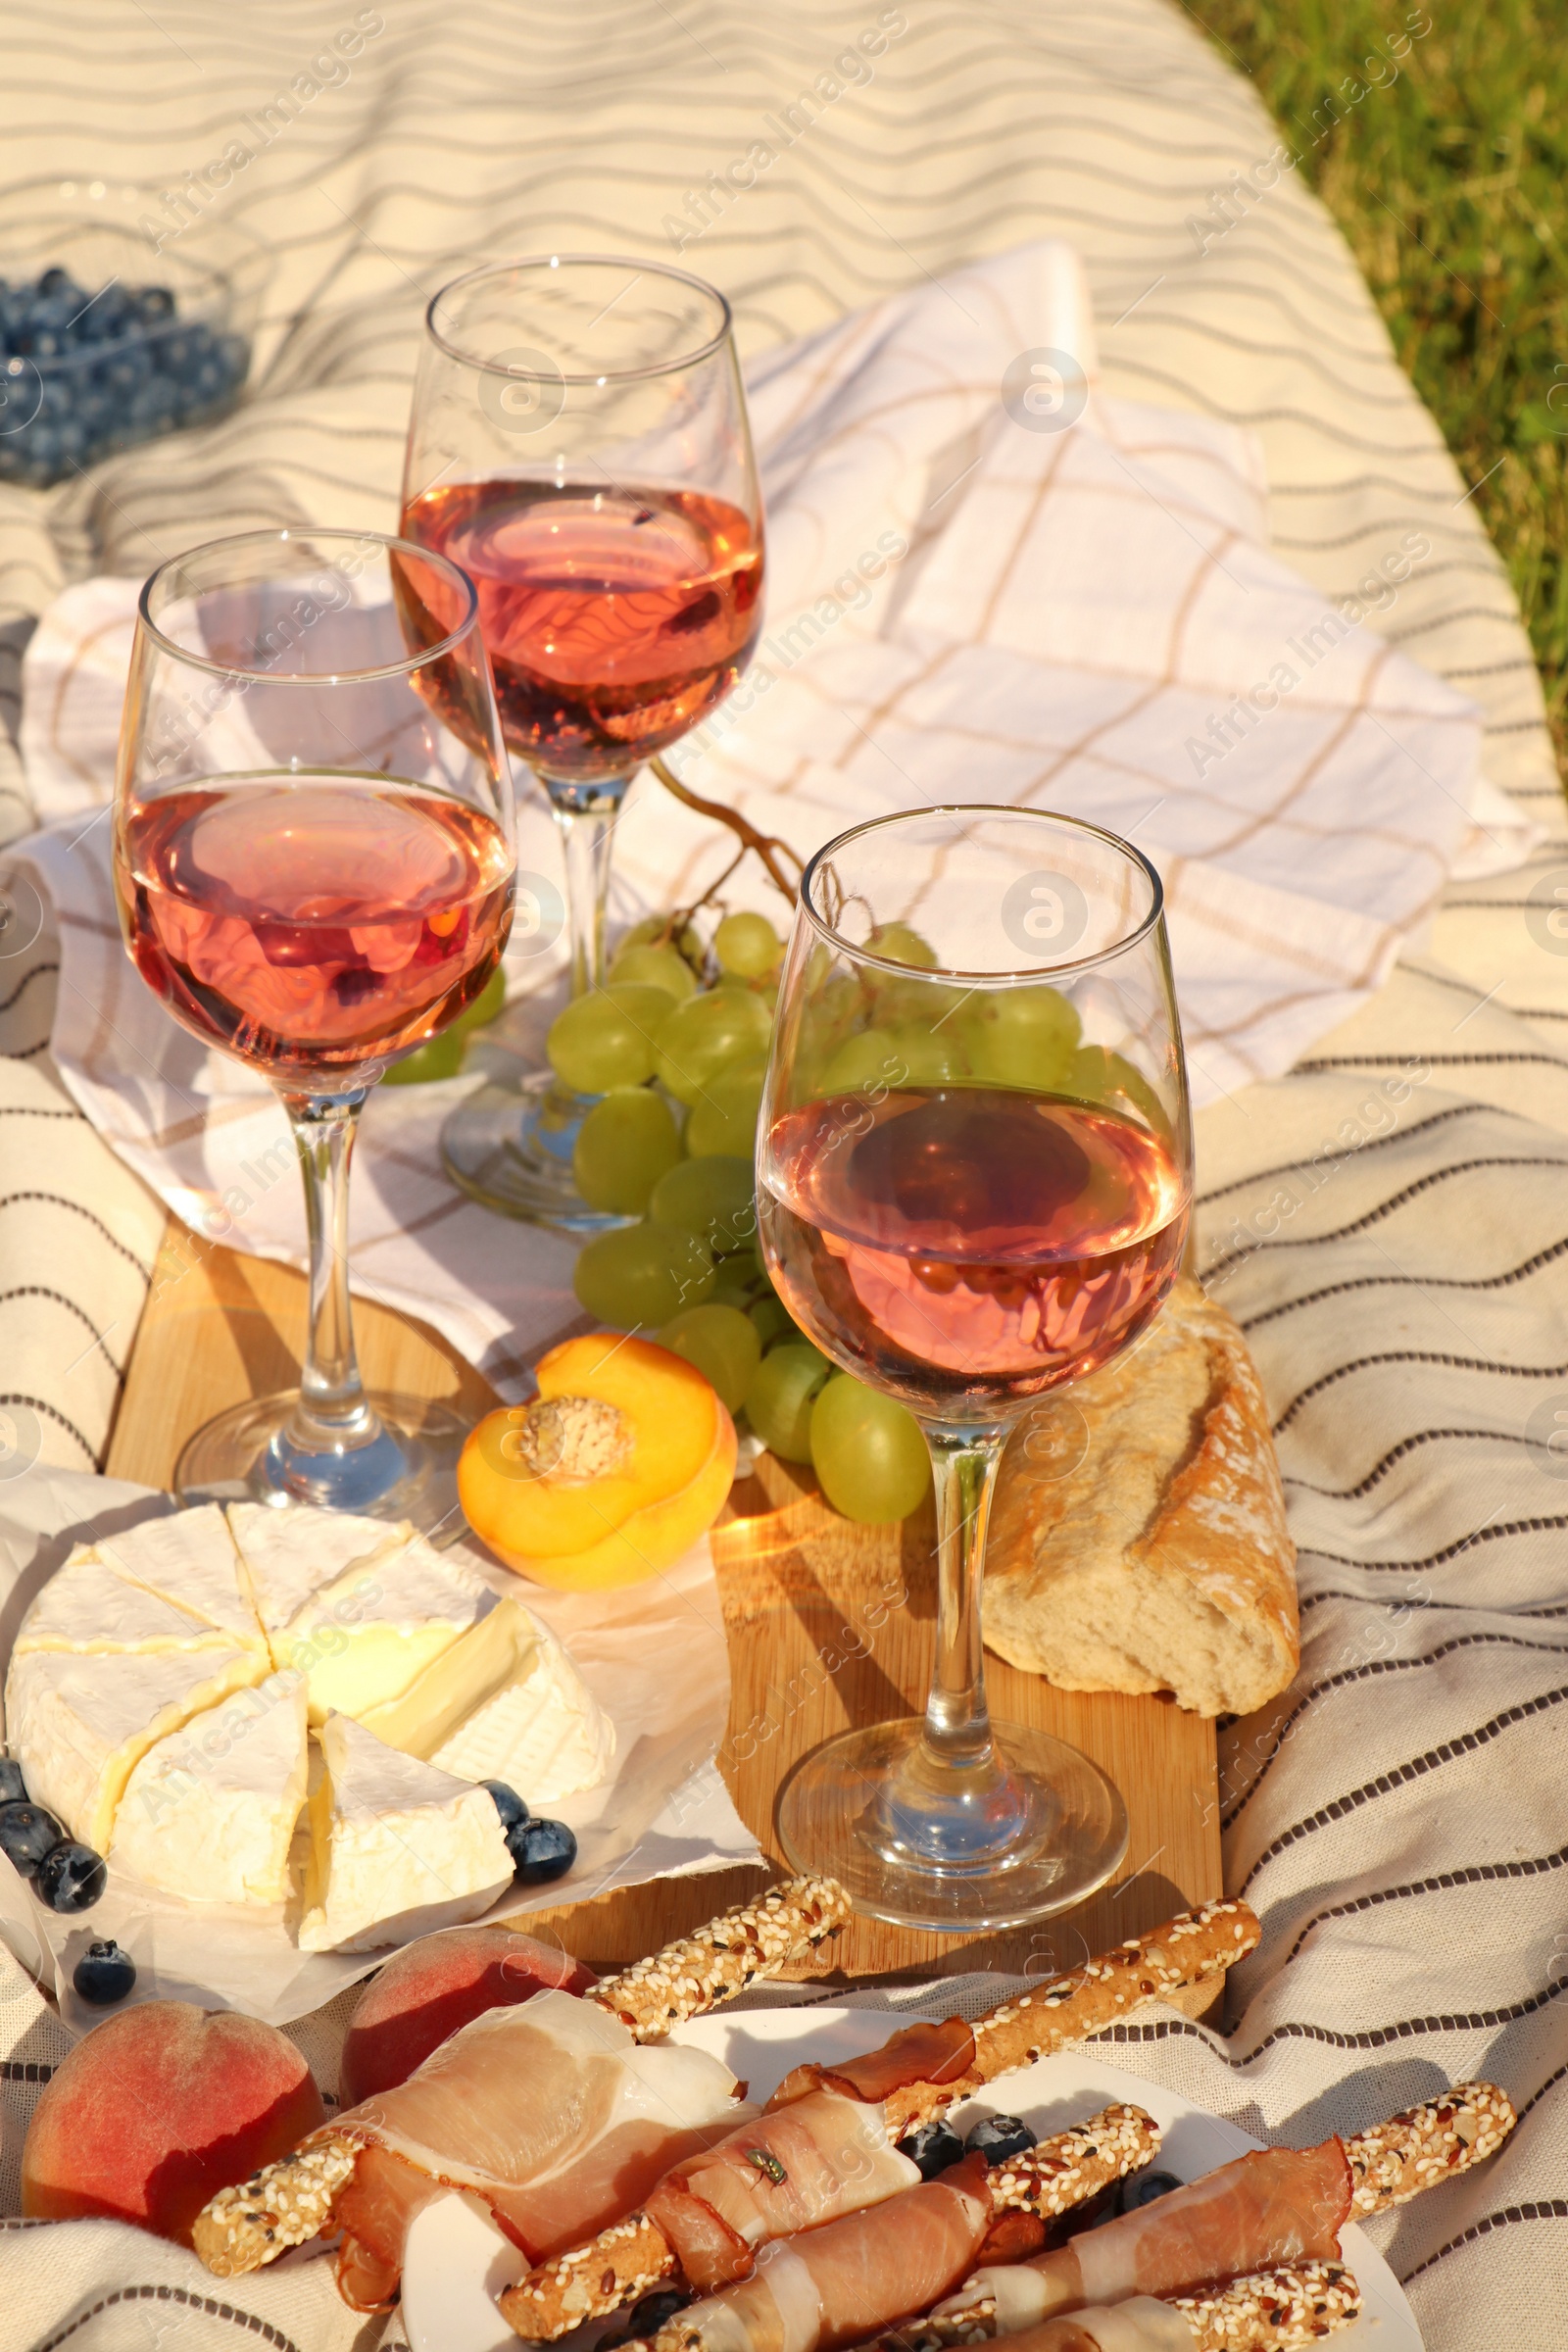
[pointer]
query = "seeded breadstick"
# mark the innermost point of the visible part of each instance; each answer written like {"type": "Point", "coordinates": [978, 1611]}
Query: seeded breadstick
{"type": "Point", "coordinates": [1074, 2166]}
{"type": "Point", "coordinates": [1195, 1948]}
{"type": "Point", "coordinates": [755, 1939]}
{"type": "Point", "coordinates": [278, 2207]}
{"type": "Point", "coordinates": [1397, 2160]}
{"type": "Point", "coordinates": [1272, 2311]}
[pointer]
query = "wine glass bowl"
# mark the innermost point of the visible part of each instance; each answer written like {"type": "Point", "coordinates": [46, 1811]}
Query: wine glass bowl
{"type": "Point", "coordinates": [579, 445]}
{"type": "Point", "coordinates": [974, 1178]}
{"type": "Point", "coordinates": [314, 868]}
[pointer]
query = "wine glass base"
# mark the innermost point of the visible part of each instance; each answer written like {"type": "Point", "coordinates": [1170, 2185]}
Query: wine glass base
{"type": "Point", "coordinates": [510, 1148]}
{"type": "Point", "coordinates": [408, 1470]}
{"type": "Point", "coordinates": [1044, 1838]}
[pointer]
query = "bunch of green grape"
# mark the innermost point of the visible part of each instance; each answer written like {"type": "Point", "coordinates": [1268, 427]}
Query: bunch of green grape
{"type": "Point", "coordinates": [679, 1069]}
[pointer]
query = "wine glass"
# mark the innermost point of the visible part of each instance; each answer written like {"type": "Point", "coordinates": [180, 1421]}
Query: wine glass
{"type": "Point", "coordinates": [313, 861]}
{"type": "Point", "coordinates": [579, 444]}
{"type": "Point", "coordinates": [974, 1173]}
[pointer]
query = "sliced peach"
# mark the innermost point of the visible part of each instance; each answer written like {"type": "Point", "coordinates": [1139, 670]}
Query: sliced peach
{"type": "Point", "coordinates": [616, 1467]}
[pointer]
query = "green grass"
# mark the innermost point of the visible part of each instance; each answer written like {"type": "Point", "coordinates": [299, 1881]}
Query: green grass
{"type": "Point", "coordinates": [1451, 183]}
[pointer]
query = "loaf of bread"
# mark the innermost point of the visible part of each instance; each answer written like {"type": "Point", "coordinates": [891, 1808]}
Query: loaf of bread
{"type": "Point", "coordinates": [1139, 1541]}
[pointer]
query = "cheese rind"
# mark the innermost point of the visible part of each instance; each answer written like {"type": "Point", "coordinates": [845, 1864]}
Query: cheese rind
{"type": "Point", "coordinates": [396, 1848]}
{"type": "Point", "coordinates": [289, 1554]}
{"type": "Point", "coordinates": [79, 1724]}
{"type": "Point", "coordinates": [88, 1606]}
{"type": "Point", "coordinates": [188, 1559]}
{"type": "Point", "coordinates": [542, 1732]}
{"type": "Point", "coordinates": [209, 1813]}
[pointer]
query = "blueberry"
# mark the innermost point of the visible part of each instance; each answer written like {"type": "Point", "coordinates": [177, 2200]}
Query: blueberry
{"type": "Point", "coordinates": [931, 2148]}
{"type": "Point", "coordinates": [653, 2311]}
{"type": "Point", "coordinates": [13, 1788]}
{"type": "Point", "coordinates": [508, 1804]}
{"type": "Point", "coordinates": [71, 1877]}
{"type": "Point", "coordinates": [1142, 2188]}
{"type": "Point", "coordinates": [54, 281]}
{"type": "Point", "coordinates": [155, 304]}
{"type": "Point", "coordinates": [999, 2136]}
{"type": "Point", "coordinates": [26, 1834]}
{"type": "Point", "coordinates": [541, 1850]}
{"type": "Point", "coordinates": [103, 1975]}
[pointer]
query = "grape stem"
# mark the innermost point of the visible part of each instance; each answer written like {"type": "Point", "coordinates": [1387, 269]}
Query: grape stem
{"type": "Point", "coordinates": [765, 847]}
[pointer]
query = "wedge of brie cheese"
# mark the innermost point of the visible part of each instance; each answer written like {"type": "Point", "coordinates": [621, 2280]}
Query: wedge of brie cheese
{"type": "Point", "coordinates": [396, 1848]}
{"type": "Point", "coordinates": [189, 1560]}
{"type": "Point", "coordinates": [289, 1555]}
{"type": "Point", "coordinates": [88, 1606]}
{"type": "Point", "coordinates": [542, 1732]}
{"type": "Point", "coordinates": [361, 1638]}
{"type": "Point", "coordinates": [81, 1723]}
{"type": "Point", "coordinates": [209, 1813]}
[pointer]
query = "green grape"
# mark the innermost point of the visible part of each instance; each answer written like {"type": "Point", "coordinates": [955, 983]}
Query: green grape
{"type": "Point", "coordinates": [865, 1060]}
{"type": "Point", "coordinates": [442, 1056]}
{"type": "Point", "coordinates": [654, 967]}
{"type": "Point", "coordinates": [867, 1452]}
{"type": "Point", "coordinates": [736, 1284]}
{"type": "Point", "coordinates": [723, 1119]}
{"type": "Point", "coordinates": [901, 945]}
{"type": "Point", "coordinates": [720, 1341]}
{"type": "Point", "coordinates": [780, 1395]}
{"type": "Point", "coordinates": [606, 1038]}
{"type": "Point", "coordinates": [635, 1278]}
{"type": "Point", "coordinates": [623, 1147]}
{"type": "Point", "coordinates": [706, 1035]}
{"type": "Point", "coordinates": [1097, 1075]}
{"type": "Point", "coordinates": [653, 932]}
{"type": "Point", "coordinates": [713, 1196]}
{"type": "Point", "coordinates": [773, 1321]}
{"type": "Point", "coordinates": [748, 945]}
{"type": "Point", "coordinates": [1023, 1036]}
{"type": "Point", "coordinates": [929, 1058]}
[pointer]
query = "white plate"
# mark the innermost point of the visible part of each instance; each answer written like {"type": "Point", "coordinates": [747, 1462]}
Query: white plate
{"type": "Point", "coordinates": [458, 2261]}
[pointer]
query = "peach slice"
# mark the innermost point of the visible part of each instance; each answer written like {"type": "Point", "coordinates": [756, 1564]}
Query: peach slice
{"type": "Point", "coordinates": [617, 1466]}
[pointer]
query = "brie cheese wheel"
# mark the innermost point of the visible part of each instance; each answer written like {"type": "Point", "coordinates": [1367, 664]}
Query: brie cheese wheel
{"type": "Point", "coordinates": [88, 1606]}
{"type": "Point", "coordinates": [542, 1732]}
{"type": "Point", "coordinates": [189, 1560]}
{"type": "Point", "coordinates": [361, 1638]}
{"type": "Point", "coordinates": [396, 1848]}
{"type": "Point", "coordinates": [81, 1723]}
{"type": "Point", "coordinates": [209, 1813]}
{"type": "Point", "coordinates": [289, 1554]}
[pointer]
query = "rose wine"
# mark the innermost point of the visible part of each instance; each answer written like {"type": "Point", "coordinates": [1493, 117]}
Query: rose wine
{"type": "Point", "coordinates": [312, 924]}
{"type": "Point", "coordinates": [970, 1244]}
{"type": "Point", "coordinates": [614, 620]}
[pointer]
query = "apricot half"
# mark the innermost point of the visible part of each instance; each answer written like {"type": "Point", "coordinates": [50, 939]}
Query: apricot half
{"type": "Point", "coordinates": [617, 1466]}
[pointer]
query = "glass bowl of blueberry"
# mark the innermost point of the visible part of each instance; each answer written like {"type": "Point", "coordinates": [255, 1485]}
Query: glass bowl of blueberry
{"type": "Point", "coordinates": [112, 330]}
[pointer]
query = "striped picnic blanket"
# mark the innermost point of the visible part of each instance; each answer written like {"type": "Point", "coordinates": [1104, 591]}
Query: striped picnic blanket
{"type": "Point", "coordinates": [1387, 1222]}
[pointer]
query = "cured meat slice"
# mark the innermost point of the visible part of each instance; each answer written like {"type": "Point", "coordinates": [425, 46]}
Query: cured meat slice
{"type": "Point", "coordinates": [923, 2053]}
{"type": "Point", "coordinates": [1277, 2205]}
{"type": "Point", "coordinates": [793, 2169]}
{"type": "Point", "coordinates": [548, 2112]}
{"type": "Point", "coordinates": [836, 2284]}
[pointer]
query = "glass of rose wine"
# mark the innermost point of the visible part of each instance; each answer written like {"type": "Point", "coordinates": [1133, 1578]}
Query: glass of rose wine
{"type": "Point", "coordinates": [974, 1174]}
{"type": "Point", "coordinates": [579, 444]}
{"type": "Point", "coordinates": [313, 859]}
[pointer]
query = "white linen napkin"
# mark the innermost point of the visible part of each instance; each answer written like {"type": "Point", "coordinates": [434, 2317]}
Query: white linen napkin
{"type": "Point", "coordinates": [986, 582]}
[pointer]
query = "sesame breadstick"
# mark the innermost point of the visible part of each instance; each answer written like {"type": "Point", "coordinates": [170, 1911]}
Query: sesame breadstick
{"type": "Point", "coordinates": [1280, 2310]}
{"type": "Point", "coordinates": [698, 1972]}
{"type": "Point", "coordinates": [1072, 2167]}
{"type": "Point", "coordinates": [281, 2206]}
{"type": "Point", "coordinates": [1397, 2160]}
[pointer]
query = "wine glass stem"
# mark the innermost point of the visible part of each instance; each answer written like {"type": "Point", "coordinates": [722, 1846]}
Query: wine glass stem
{"type": "Point", "coordinates": [963, 1467]}
{"type": "Point", "coordinates": [332, 1411]}
{"type": "Point", "coordinates": [586, 814]}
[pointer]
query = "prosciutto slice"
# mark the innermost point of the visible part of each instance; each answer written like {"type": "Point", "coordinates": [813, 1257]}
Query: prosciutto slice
{"type": "Point", "coordinates": [548, 2112]}
{"type": "Point", "coordinates": [1278, 2205]}
{"type": "Point", "coordinates": [840, 2283]}
{"type": "Point", "coordinates": [923, 2053]}
{"type": "Point", "coordinates": [791, 2169]}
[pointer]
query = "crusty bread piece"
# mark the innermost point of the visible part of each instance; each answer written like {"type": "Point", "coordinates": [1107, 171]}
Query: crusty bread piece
{"type": "Point", "coordinates": [1160, 1561]}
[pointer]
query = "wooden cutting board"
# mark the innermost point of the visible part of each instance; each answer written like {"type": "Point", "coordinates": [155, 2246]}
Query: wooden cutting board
{"type": "Point", "coordinates": [793, 1577]}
